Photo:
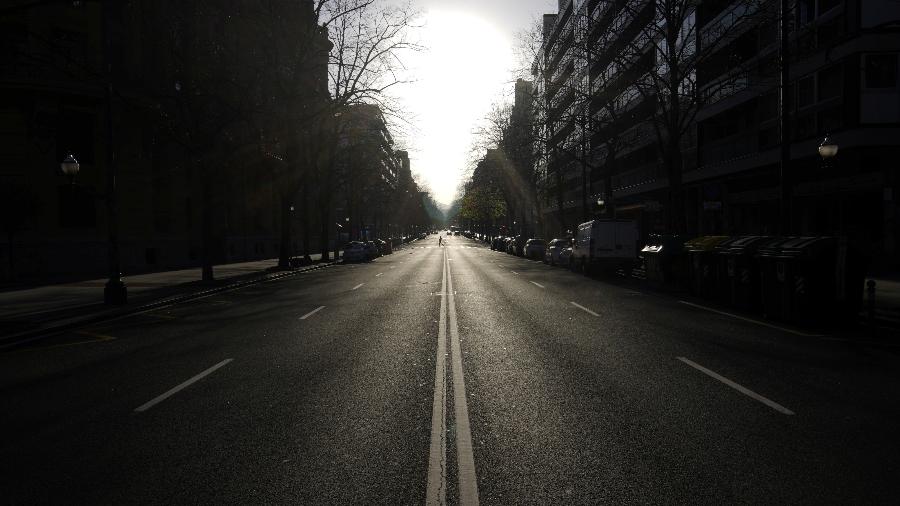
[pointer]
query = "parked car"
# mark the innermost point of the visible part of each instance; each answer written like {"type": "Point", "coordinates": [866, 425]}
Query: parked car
{"type": "Point", "coordinates": [510, 246]}
{"type": "Point", "coordinates": [355, 252]}
{"type": "Point", "coordinates": [497, 243]}
{"type": "Point", "coordinates": [565, 256]}
{"type": "Point", "coordinates": [518, 247]}
{"type": "Point", "coordinates": [534, 249]}
{"type": "Point", "coordinates": [554, 249]}
{"type": "Point", "coordinates": [384, 247]}
{"type": "Point", "coordinates": [371, 250]}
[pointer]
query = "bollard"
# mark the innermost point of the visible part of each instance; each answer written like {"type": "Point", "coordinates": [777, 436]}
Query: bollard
{"type": "Point", "coordinates": [870, 300]}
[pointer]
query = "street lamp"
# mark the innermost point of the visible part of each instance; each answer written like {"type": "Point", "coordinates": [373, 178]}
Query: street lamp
{"type": "Point", "coordinates": [114, 292]}
{"type": "Point", "coordinates": [828, 149]}
{"type": "Point", "coordinates": [70, 167]}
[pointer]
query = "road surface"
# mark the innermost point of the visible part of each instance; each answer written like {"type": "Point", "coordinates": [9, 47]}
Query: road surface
{"type": "Point", "coordinates": [451, 375]}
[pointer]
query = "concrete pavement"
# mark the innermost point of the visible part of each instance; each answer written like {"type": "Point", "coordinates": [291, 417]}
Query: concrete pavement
{"type": "Point", "coordinates": [325, 388]}
{"type": "Point", "coordinates": [37, 308]}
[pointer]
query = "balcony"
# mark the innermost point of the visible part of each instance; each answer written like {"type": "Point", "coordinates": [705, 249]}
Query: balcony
{"type": "Point", "coordinates": [638, 176]}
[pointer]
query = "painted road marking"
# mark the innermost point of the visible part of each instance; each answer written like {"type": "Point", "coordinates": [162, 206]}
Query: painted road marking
{"type": "Point", "coordinates": [468, 484]}
{"type": "Point", "coordinates": [357, 286]}
{"type": "Point", "coordinates": [97, 338]}
{"type": "Point", "coordinates": [514, 272]}
{"type": "Point", "coordinates": [170, 393]}
{"type": "Point", "coordinates": [314, 311]}
{"type": "Point", "coordinates": [379, 274]}
{"type": "Point", "coordinates": [746, 391]}
{"type": "Point", "coordinates": [162, 316]}
{"type": "Point", "coordinates": [436, 489]}
{"type": "Point", "coordinates": [751, 320]}
{"type": "Point", "coordinates": [537, 284]}
{"type": "Point", "coordinates": [579, 306]}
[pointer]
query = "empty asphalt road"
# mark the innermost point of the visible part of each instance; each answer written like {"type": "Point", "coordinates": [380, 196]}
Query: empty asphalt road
{"type": "Point", "coordinates": [451, 375]}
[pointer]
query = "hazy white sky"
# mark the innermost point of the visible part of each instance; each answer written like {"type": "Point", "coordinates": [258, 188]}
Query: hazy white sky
{"type": "Point", "coordinates": [468, 64]}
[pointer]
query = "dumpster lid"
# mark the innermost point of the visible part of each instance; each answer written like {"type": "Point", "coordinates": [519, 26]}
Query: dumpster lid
{"type": "Point", "coordinates": [774, 246]}
{"type": "Point", "coordinates": [705, 243]}
{"type": "Point", "coordinates": [747, 243]}
{"type": "Point", "coordinates": [799, 245]}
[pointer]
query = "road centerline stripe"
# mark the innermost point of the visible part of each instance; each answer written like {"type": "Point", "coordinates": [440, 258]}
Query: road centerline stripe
{"type": "Point", "coordinates": [436, 488]}
{"type": "Point", "coordinates": [468, 483]}
{"type": "Point", "coordinates": [579, 306]}
{"type": "Point", "coordinates": [314, 311]}
{"type": "Point", "coordinates": [535, 283]}
{"type": "Point", "coordinates": [182, 386]}
{"type": "Point", "coordinates": [744, 390]}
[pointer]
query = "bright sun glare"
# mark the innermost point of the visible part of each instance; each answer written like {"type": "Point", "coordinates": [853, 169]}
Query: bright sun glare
{"type": "Point", "coordinates": [465, 67]}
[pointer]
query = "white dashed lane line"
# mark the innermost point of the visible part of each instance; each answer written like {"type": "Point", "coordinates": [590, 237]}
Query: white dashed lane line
{"type": "Point", "coordinates": [744, 390]}
{"type": "Point", "coordinates": [586, 310]}
{"type": "Point", "coordinates": [751, 320]}
{"type": "Point", "coordinates": [314, 311]}
{"type": "Point", "coordinates": [535, 283]}
{"type": "Point", "coordinates": [182, 386]}
{"type": "Point", "coordinates": [357, 286]}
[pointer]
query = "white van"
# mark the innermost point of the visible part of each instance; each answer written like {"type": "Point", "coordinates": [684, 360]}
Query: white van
{"type": "Point", "coordinates": [605, 244]}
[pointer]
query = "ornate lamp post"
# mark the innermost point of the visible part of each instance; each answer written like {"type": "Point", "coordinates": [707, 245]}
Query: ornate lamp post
{"type": "Point", "coordinates": [828, 149]}
{"type": "Point", "coordinates": [114, 292]}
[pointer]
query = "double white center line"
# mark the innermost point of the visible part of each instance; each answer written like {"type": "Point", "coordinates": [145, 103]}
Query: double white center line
{"type": "Point", "coordinates": [436, 489]}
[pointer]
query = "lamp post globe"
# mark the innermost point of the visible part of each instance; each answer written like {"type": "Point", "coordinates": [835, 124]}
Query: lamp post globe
{"type": "Point", "coordinates": [70, 166]}
{"type": "Point", "coordinates": [828, 149]}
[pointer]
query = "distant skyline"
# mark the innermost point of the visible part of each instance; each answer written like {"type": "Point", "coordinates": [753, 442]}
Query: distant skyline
{"type": "Point", "coordinates": [468, 65]}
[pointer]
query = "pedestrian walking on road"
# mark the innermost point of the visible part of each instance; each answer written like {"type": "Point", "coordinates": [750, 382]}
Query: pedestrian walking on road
{"type": "Point", "coordinates": [440, 240]}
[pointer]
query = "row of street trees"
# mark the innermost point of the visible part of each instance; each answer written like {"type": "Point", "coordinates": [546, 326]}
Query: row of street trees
{"type": "Point", "coordinates": [626, 71]}
{"type": "Point", "coordinates": [271, 83]}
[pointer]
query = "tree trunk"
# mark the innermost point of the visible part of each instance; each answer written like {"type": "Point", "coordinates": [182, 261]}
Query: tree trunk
{"type": "Point", "coordinates": [325, 214]}
{"type": "Point", "coordinates": [206, 224]}
{"type": "Point", "coordinates": [304, 222]}
{"type": "Point", "coordinates": [675, 209]}
{"type": "Point", "coordinates": [12, 264]}
{"type": "Point", "coordinates": [608, 169]}
{"type": "Point", "coordinates": [559, 200]}
{"type": "Point", "coordinates": [284, 250]}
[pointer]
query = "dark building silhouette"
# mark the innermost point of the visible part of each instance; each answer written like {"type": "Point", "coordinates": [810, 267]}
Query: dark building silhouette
{"type": "Point", "coordinates": [52, 103]}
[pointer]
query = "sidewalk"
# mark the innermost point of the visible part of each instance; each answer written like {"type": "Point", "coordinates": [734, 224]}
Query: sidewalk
{"type": "Point", "coordinates": [32, 310]}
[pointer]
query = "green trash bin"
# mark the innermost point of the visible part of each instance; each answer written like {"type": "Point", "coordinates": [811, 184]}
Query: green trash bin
{"type": "Point", "coordinates": [701, 266]}
{"type": "Point", "coordinates": [740, 272]}
{"type": "Point", "coordinates": [775, 279]}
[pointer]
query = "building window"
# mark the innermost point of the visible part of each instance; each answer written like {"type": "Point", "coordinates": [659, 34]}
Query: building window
{"type": "Point", "coordinates": [880, 71]}
{"type": "Point", "coordinates": [806, 92]}
{"type": "Point", "coordinates": [831, 83]}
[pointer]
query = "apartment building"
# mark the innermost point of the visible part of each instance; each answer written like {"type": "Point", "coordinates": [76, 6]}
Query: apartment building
{"type": "Point", "coordinates": [843, 83]}
{"type": "Point", "coordinates": [53, 103]}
